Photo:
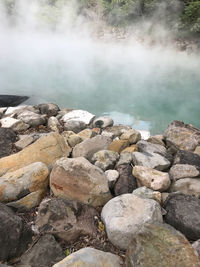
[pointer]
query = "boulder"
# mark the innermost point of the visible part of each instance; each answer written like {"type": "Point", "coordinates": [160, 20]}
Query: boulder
{"type": "Point", "coordinates": [180, 171]}
{"type": "Point", "coordinates": [124, 215]}
{"type": "Point", "coordinates": [157, 139]}
{"type": "Point", "coordinates": [66, 219]}
{"type": "Point", "coordinates": [115, 131]}
{"type": "Point", "coordinates": [182, 136]}
{"type": "Point", "coordinates": [153, 179]}
{"type": "Point", "coordinates": [17, 184]}
{"type": "Point", "coordinates": [145, 192]}
{"type": "Point", "coordinates": [75, 126]}
{"type": "Point", "coordinates": [7, 138]}
{"type": "Point", "coordinates": [47, 149]}
{"type": "Point", "coordinates": [105, 159]}
{"type": "Point", "coordinates": [78, 115]}
{"type": "Point", "coordinates": [14, 235]}
{"type": "Point", "coordinates": [126, 182]}
{"type": "Point", "coordinates": [103, 122]}
{"type": "Point", "coordinates": [125, 158]}
{"type": "Point", "coordinates": [118, 145]}
{"type": "Point", "coordinates": [54, 124]}
{"type": "Point", "coordinates": [90, 257]}
{"type": "Point", "coordinates": [153, 160]}
{"type": "Point", "coordinates": [112, 176]}
{"type": "Point", "coordinates": [160, 245]}
{"type": "Point", "coordinates": [31, 118]}
{"type": "Point", "coordinates": [187, 186]}
{"type": "Point", "coordinates": [88, 147]}
{"type": "Point", "coordinates": [86, 133]}
{"type": "Point", "coordinates": [182, 212]}
{"type": "Point", "coordinates": [45, 252]}
{"type": "Point", "coordinates": [131, 136]}
{"type": "Point", "coordinates": [49, 109]}
{"type": "Point", "coordinates": [15, 124]}
{"type": "Point", "coordinates": [74, 140]}
{"type": "Point", "coordinates": [77, 179]}
{"type": "Point", "coordinates": [187, 157]}
{"type": "Point", "coordinates": [15, 111]}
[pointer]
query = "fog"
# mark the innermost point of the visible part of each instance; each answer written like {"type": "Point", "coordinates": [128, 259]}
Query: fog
{"type": "Point", "coordinates": [57, 55]}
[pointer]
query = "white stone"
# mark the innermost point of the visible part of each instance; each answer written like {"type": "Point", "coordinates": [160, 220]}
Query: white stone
{"type": "Point", "coordinates": [144, 134]}
{"type": "Point", "coordinates": [78, 115]}
{"type": "Point", "coordinates": [187, 186]}
{"type": "Point", "coordinates": [16, 125]}
{"type": "Point", "coordinates": [112, 176]}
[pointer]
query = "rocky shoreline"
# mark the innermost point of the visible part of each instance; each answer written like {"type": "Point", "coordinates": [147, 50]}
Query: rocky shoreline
{"type": "Point", "coordinates": [77, 190]}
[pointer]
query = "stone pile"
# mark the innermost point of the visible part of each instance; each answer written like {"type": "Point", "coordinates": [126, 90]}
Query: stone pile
{"type": "Point", "coordinates": [83, 175]}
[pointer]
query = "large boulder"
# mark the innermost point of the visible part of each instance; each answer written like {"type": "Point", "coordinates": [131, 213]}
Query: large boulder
{"type": "Point", "coordinates": [78, 115]}
{"type": "Point", "coordinates": [182, 136]}
{"type": "Point", "coordinates": [7, 138]}
{"type": "Point", "coordinates": [151, 178]}
{"type": "Point", "coordinates": [46, 149]}
{"type": "Point", "coordinates": [124, 215]}
{"type": "Point", "coordinates": [20, 183]}
{"type": "Point", "coordinates": [182, 212]}
{"type": "Point", "coordinates": [187, 186]}
{"type": "Point", "coordinates": [77, 179]}
{"type": "Point", "coordinates": [160, 245]}
{"type": "Point", "coordinates": [14, 235]}
{"type": "Point", "coordinates": [126, 182]}
{"type": "Point", "coordinates": [88, 147]}
{"type": "Point", "coordinates": [45, 252]}
{"type": "Point", "coordinates": [180, 171]}
{"type": "Point", "coordinates": [90, 257]}
{"type": "Point", "coordinates": [66, 219]}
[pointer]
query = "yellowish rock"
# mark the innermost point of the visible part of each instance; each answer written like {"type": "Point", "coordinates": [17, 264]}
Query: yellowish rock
{"type": "Point", "coordinates": [130, 149]}
{"type": "Point", "coordinates": [118, 145]}
{"type": "Point", "coordinates": [86, 133]}
{"type": "Point", "coordinates": [47, 149]}
{"type": "Point", "coordinates": [197, 150]}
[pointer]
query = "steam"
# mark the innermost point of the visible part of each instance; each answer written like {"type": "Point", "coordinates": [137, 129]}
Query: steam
{"type": "Point", "coordinates": [57, 55]}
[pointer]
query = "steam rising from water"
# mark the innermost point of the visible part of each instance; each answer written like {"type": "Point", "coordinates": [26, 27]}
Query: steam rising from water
{"type": "Point", "coordinates": [143, 86]}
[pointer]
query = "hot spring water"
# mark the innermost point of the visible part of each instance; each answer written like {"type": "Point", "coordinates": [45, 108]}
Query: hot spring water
{"type": "Point", "coordinates": [136, 85]}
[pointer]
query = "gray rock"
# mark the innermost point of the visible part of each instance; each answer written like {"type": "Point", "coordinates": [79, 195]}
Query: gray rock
{"type": "Point", "coordinates": [103, 122]}
{"type": "Point", "coordinates": [115, 131]}
{"type": "Point", "coordinates": [112, 176]}
{"type": "Point", "coordinates": [66, 219]}
{"type": "Point", "coordinates": [156, 139]}
{"type": "Point", "coordinates": [24, 141]}
{"type": "Point", "coordinates": [90, 257]}
{"type": "Point", "coordinates": [187, 157]}
{"type": "Point", "coordinates": [45, 252]}
{"type": "Point", "coordinates": [126, 182]}
{"type": "Point", "coordinates": [88, 147]}
{"type": "Point", "coordinates": [196, 247]}
{"type": "Point", "coordinates": [153, 160]}
{"type": "Point", "coordinates": [7, 138]}
{"type": "Point", "coordinates": [183, 214]}
{"type": "Point", "coordinates": [75, 126]}
{"type": "Point", "coordinates": [145, 192]}
{"type": "Point", "coordinates": [125, 158]}
{"type": "Point", "coordinates": [132, 136]}
{"type": "Point", "coordinates": [124, 215]}
{"type": "Point", "coordinates": [15, 124]}
{"type": "Point", "coordinates": [32, 118]}
{"type": "Point", "coordinates": [187, 186]}
{"type": "Point", "coordinates": [105, 159]}
{"type": "Point", "coordinates": [14, 235]}
{"type": "Point", "coordinates": [182, 136]}
{"type": "Point", "coordinates": [160, 245]}
{"type": "Point", "coordinates": [49, 109]}
{"type": "Point", "coordinates": [180, 171]}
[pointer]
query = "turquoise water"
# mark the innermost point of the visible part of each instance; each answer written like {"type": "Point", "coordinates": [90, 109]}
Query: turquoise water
{"type": "Point", "coordinates": [136, 85]}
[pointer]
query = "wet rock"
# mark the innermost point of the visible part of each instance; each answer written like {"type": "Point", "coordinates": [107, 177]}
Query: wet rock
{"type": "Point", "coordinates": [187, 186]}
{"type": "Point", "coordinates": [17, 184]}
{"type": "Point", "coordinates": [105, 159]}
{"type": "Point", "coordinates": [7, 138]}
{"type": "Point", "coordinates": [145, 192]}
{"type": "Point", "coordinates": [14, 236]}
{"type": "Point", "coordinates": [180, 171]}
{"type": "Point", "coordinates": [182, 136]}
{"type": "Point", "coordinates": [49, 109]}
{"type": "Point", "coordinates": [77, 179]}
{"type": "Point", "coordinates": [118, 145]}
{"type": "Point", "coordinates": [153, 160]}
{"type": "Point", "coordinates": [131, 136]}
{"type": "Point", "coordinates": [130, 149]}
{"type": "Point", "coordinates": [66, 219]}
{"type": "Point", "coordinates": [126, 182]}
{"type": "Point", "coordinates": [124, 215]}
{"type": "Point", "coordinates": [125, 158]}
{"type": "Point", "coordinates": [153, 179]}
{"type": "Point", "coordinates": [112, 176]}
{"type": "Point", "coordinates": [24, 141]}
{"type": "Point", "coordinates": [187, 157]}
{"type": "Point", "coordinates": [54, 124]}
{"type": "Point", "coordinates": [183, 214]}
{"type": "Point", "coordinates": [88, 147]}
{"type": "Point", "coordinates": [160, 245]}
{"type": "Point", "coordinates": [47, 149]}
{"type": "Point", "coordinates": [14, 124]}
{"type": "Point", "coordinates": [103, 122]}
{"type": "Point", "coordinates": [90, 257]}
{"type": "Point", "coordinates": [31, 118]}
{"type": "Point", "coordinates": [45, 252]}
{"type": "Point", "coordinates": [79, 116]}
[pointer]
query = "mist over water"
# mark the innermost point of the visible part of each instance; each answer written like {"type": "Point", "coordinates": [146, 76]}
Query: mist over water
{"type": "Point", "coordinates": [145, 87]}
